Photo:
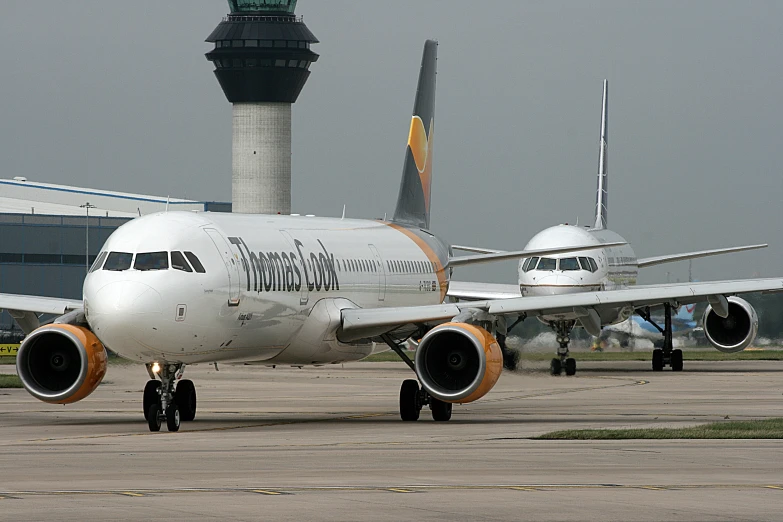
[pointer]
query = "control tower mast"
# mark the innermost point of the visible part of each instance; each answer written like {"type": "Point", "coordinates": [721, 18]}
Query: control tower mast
{"type": "Point", "coordinates": [262, 60]}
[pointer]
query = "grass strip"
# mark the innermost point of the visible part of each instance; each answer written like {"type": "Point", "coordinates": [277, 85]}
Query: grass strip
{"type": "Point", "coordinates": [753, 429]}
{"type": "Point", "coordinates": [689, 355]}
{"type": "Point", "coordinates": [10, 381]}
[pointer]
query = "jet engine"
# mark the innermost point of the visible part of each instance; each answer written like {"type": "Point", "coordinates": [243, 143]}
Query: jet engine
{"type": "Point", "coordinates": [61, 363]}
{"type": "Point", "coordinates": [734, 332]}
{"type": "Point", "coordinates": [458, 362]}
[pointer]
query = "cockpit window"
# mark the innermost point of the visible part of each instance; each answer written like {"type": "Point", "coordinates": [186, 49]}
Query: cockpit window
{"type": "Point", "coordinates": [152, 261]}
{"type": "Point", "coordinates": [569, 264]}
{"type": "Point", "coordinates": [178, 262]}
{"type": "Point", "coordinates": [547, 263]}
{"type": "Point", "coordinates": [118, 261]}
{"type": "Point", "coordinates": [531, 264]}
{"type": "Point", "coordinates": [197, 266]}
{"type": "Point", "coordinates": [585, 264]}
{"type": "Point", "coordinates": [593, 265]}
{"type": "Point", "coordinates": [98, 262]}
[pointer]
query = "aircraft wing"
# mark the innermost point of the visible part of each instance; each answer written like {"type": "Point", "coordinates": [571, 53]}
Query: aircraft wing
{"type": "Point", "coordinates": [476, 249]}
{"type": "Point", "coordinates": [25, 308]}
{"type": "Point", "coordinates": [482, 291]}
{"type": "Point", "coordinates": [359, 323]}
{"type": "Point", "coordinates": [37, 304]}
{"type": "Point", "coordinates": [504, 256]}
{"type": "Point", "coordinates": [659, 260]}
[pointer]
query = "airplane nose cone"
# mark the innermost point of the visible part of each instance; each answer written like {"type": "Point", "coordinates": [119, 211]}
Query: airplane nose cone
{"type": "Point", "coordinates": [126, 298]}
{"type": "Point", "coordinates": [120, 312]}
{"type": "Point", "coordinates": [555, 284]}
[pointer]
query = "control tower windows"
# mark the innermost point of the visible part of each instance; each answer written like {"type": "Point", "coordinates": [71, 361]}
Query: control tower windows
{"type": "Point", "coordinates": [251, 43]}
{"type": "Point", "coordinates": [280, 43]}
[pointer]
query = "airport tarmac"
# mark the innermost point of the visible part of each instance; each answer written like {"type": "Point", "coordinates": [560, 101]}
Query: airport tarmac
{"type": "Point", "coordinates": [327, 443]}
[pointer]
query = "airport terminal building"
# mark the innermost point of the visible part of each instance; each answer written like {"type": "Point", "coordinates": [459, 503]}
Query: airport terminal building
{"type": "Point", "coordinates": [46, 241]}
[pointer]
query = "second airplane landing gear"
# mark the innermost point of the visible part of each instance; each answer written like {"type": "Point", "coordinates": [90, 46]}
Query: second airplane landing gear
{"type": "Point", "coordinates": [563, 361]}
{"type": "Point", "coordinates": [666, 355]}
{"type": "Point", "coordinates": [413, 399]}
{"type": "Point", "coordinates": [162, 403]}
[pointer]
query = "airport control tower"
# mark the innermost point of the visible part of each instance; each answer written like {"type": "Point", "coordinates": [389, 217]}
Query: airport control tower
{"type": "Point", "coordinates": [262, 60]}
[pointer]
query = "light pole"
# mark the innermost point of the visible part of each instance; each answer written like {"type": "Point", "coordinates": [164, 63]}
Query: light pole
{"type": "Point", "coordinates": [87, 206]}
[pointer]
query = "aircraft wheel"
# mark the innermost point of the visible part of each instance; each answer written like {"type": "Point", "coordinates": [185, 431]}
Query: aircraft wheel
{"type": "Point", "coordinates": [185, 397]}
{"type": "Point", "coordinates": [409, 400]}
{"type": "Point", "coordinates": [441, 411]}
{"type": "Point", "coordinates": [570, 366]}
{"type": "Point", "coordinates": [510, 360]}
{"type": "Point", "coordinates": [676, 360]}
{"type": "Point", "coordinates": [657, 360]}
{"type": "Point", "coordinates": [153, 417]}
{"type": "Point", "coordinates": [556, 367]}
{"type": "Point", "coordinates": [172, 417]}
{"type": "Point", "coordinates": [151, 395]}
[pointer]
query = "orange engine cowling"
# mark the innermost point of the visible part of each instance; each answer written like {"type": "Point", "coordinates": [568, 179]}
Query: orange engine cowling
{"type": "Point", "coordinates": [61, 363]}
{"type": "Point", "coordinates": [458, 362]}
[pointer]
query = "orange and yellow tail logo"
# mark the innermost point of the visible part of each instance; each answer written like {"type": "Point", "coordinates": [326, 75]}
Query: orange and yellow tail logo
{"type": "Point", "coordinates": [420, 142]}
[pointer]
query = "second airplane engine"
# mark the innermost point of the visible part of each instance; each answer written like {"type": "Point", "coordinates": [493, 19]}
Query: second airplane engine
{"type": "Point", "coordinates": [733, 333]}
{"type": "Point", "coordinates": [458, 363]}
{"type": "Point", "coordinates": [61, 363]}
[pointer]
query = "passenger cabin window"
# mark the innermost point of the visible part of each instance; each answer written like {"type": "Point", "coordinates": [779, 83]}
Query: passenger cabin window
{"type": "Point", "coordinates": [195, 263]}
{"type": "Point", "coordinates": [98, 262]}
{"type": "Point", "coordinates": [152, 261]}
{"type": "Point", "coordinates": [547, 263]}
{"type": "Point", "coordinates": [118, 261]}
{"type": "Point", "coordinates": [568, 264]}
{"type": "Point", "coordinates": [178, 262]}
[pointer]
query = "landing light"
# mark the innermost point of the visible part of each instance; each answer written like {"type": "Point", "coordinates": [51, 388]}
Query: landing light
{"type": "Point", "coordinates": [155, 368]}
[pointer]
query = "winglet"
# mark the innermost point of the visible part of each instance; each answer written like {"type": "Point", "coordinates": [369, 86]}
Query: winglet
{"type": "Point", "coordinates": [413, 203]}
{"type": "Point", "coordinates": [602, 192]}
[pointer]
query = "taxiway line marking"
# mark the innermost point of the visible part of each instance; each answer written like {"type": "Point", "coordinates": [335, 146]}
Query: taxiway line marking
{"type": "Point", "coordinates": [130, 494]}
{"type": "Point", "coordinates": [773, 487]}
{"type": "Point", "coordinates": [266, 492]}
{"type": "Point", "coordinates": [400, 490]}
{"type": "Point", "coordinates": [522, 488]}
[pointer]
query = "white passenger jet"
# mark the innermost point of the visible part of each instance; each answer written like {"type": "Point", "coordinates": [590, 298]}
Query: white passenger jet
{"type": "Point", "coordinates": [179, 288]}
{"type": "Point", "coordinates": [604, 268]}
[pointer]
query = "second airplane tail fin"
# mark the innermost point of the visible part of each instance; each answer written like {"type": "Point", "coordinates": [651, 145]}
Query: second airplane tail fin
{"type": "Point", "coordinates": [413, 202]}
{"type": "Point", "coordinates": [602, 195]}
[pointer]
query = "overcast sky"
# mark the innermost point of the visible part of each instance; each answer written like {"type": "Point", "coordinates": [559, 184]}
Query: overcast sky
{"type": "Point", "coordinates": [118, 95]}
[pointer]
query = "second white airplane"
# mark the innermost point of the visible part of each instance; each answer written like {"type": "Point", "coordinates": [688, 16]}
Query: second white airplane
{"type": "Point", "coordinates": [610, 266]}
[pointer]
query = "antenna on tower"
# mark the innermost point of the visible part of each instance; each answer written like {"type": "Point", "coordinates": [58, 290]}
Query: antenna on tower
{"type": "Point", "coordinates": [343, 211]}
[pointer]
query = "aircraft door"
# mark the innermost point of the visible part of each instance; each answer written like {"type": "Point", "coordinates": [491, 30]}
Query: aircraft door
{"type": "Point", "coordinates": [304, 292]}
{"type": "Point", "coordinates": [231, 260]}
{"type": "Point", "coordinates": [381, 273]}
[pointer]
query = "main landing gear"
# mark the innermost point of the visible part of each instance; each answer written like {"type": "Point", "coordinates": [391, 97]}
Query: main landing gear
{"type": "Point", "coordinates": [666, 355]}
{"type": "Point", "coordinates": [164, 403]}
{"type": "Point", "coordinates": [563, 361]}
{"type": "Point", "coordinates": [412, 397]}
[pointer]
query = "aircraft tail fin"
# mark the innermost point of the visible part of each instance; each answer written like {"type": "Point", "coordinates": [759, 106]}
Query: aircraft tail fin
{"type": "Point", "coordinates": [685, 312]}
{"type": "Point", "coordinates": [413, 202]}
{"type": "Point", "coordinates": [602, 192]}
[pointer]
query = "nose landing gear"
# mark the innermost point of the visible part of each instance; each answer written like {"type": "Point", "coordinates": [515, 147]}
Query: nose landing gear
{"type": "Point", "coordinates": [563, 361]}
{"type": "Point", "coordinates": [164, 403]}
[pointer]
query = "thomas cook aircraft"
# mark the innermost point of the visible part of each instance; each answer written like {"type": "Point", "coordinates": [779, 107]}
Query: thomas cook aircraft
{"type": "Point", "coordinates": [603, 268]}
{"type": "Point", "coordinates": [177, 288]}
